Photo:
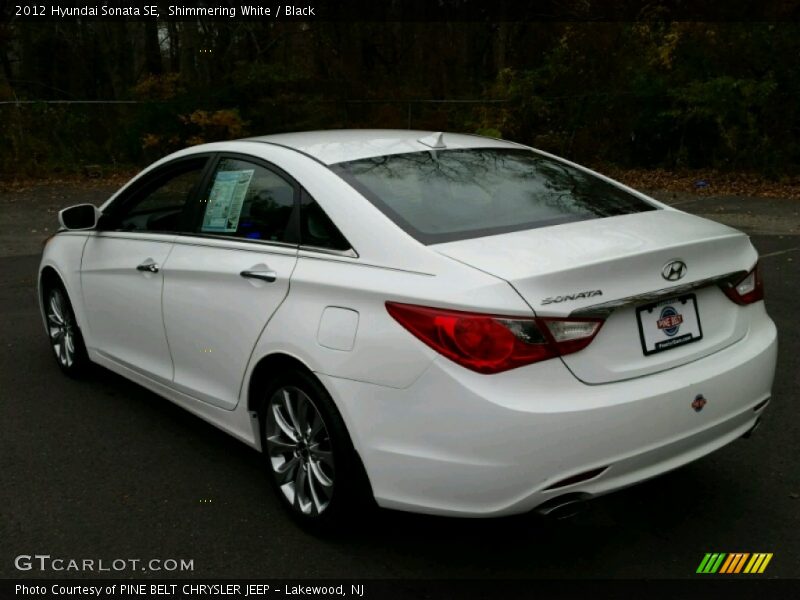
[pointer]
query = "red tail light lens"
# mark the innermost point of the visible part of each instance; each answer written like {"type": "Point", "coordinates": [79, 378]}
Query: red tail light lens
{"type": "Point", "coordinates": [491, 343]}
{"type": "Point", "coordinates": [750, 289]}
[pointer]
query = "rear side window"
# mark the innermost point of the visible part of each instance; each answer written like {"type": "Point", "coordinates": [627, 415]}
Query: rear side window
{"type": "Point", "coordinates": [248, 201]}
{"type": "Point", "coordinates": [446, 195]}
{"type": "Point", "coordinates": [316, 228]}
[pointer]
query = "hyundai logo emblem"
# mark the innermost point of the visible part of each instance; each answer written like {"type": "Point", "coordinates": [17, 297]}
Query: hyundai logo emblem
{"type": "Point", "coordinates": [674, 270]}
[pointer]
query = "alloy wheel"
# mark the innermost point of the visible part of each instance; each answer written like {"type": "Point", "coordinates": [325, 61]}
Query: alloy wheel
{"type": "Point", "coordinates": [300, 451]}
{"type": "Point", "coordinates": [61, 327]}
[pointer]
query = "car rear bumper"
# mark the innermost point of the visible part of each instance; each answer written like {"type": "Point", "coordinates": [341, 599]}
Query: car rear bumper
{"type": "Point", "coordinates": [461, 443]}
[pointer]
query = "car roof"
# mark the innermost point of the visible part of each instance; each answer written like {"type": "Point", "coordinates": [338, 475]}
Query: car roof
{"type": "Point", "coordinates": [342, 145]}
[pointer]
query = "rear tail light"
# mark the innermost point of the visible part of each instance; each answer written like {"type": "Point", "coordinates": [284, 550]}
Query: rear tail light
{"type": "Point", "coordinates": [492, 343]}
{"type": "Point", "coordinates": [748, 290]}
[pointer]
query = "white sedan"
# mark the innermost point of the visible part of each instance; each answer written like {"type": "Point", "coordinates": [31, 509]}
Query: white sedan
{"type": "Point", "coordinates": [446, 323]}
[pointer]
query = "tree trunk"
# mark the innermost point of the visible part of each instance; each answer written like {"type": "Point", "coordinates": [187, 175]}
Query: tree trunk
{"type": "Point", "coordinates": [152, 49]}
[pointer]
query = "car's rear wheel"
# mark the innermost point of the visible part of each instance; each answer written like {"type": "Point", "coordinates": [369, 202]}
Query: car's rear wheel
{"type": "Point", "coordinates": [65, 335]}
{"type": "Point", "coordinates": [308, 452]}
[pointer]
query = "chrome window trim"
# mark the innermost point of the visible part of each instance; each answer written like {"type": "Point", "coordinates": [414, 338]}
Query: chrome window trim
{"type": "Point", "coordinates": [349, 253]}
{"type": "Point", "coordinates": [236, 243]}
{"type": "Point", "coordinates": [143, 236]}
{"type": "Point", "coordinates": [606, 308]}
{"type": "Point", "coordinates": [233, 238]}
{"type": "Point", "coordinates": [196, 239]}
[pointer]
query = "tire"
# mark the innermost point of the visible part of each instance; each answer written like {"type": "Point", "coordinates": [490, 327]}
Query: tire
{"type": "Point", "coordinates": [306, 447]}
{"type": "Point", "coordinates": [65, 336]}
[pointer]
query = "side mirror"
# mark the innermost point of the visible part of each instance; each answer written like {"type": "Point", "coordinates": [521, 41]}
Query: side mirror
{"type": "Point", "coordinates": [79, 217]}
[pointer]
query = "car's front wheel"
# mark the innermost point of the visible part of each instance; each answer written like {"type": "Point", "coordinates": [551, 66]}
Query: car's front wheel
{"type": "Point", "coordinates": [65, 335]}
{"type": "Point", "coordinates": [309, 453]}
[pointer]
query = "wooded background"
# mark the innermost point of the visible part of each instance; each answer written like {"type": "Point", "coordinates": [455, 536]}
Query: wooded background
{"type": "Point", "coordinates": [634, 94]}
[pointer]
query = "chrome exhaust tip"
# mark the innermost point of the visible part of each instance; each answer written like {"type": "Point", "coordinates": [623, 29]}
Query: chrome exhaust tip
{"type": "Point", "coordinates": [563, 507]}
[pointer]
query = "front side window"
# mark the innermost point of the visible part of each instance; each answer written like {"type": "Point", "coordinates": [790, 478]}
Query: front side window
{"type": "Point", "coordinates": [249, 201]}
{"type": "Point", "coordinates": [160, 202]}
{"type": "Point", "coordinates": [446, 195]}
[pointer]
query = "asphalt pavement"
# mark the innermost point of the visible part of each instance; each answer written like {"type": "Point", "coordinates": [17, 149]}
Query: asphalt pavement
{"type": "Point", "coordinates": [103, 469]}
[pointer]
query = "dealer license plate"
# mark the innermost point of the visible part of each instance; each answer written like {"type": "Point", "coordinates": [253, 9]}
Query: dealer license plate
{"type": "Point", "coordinates": [669, 323]}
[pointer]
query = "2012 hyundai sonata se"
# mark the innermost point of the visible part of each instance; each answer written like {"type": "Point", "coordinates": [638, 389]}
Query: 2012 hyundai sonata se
{"type": "Point", "coordinates": [446, 323]}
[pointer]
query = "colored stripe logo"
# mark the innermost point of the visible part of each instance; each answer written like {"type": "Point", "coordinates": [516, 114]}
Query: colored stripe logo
{"type": "Point", "coordinates": [734, 563]}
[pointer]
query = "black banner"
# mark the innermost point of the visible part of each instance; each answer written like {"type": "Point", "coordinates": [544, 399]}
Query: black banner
{"type": "Point", "coordinates": [706, 587]}
{"type": "Point", "coordinates": [402, 10]}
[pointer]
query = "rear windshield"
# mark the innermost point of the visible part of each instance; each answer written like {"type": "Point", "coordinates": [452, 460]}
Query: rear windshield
{"type": "Point", "coordinates": [445, 195]}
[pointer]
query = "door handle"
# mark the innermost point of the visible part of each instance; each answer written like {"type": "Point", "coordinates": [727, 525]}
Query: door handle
{"type": "Point", "coordinates": [149, 267]}
{"type": "Point", "coordinates": [268, 276]}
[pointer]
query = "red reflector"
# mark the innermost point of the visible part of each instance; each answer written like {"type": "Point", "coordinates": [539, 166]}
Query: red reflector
{"type": "Point", "coordinates": [493, 343]}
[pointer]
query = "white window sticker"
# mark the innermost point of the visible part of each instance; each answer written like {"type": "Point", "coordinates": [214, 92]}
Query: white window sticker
{"type": "Point", "coordinates": [225, 200]}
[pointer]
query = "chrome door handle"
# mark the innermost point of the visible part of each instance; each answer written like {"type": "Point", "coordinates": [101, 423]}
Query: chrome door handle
{"type": "Point", "coordinates": [148, 267]}
{"type": "Point", "coordinates": [268, 276]}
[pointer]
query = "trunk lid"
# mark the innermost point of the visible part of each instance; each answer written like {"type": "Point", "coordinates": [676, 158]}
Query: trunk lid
{"type": "Point", "coordinates": [568, 269]}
